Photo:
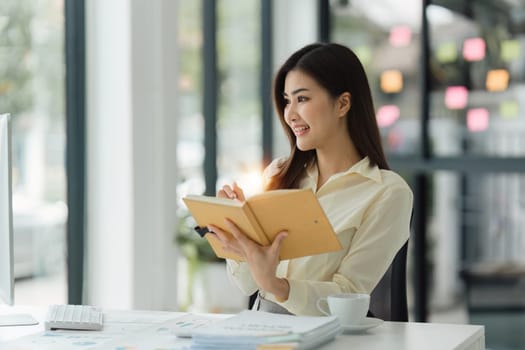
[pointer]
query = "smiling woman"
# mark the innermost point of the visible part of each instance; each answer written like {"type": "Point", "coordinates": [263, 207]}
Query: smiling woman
{"type": "Point", "coordinates": [317, 120]}
{"type": "Point", "coordinates": [324, 103]}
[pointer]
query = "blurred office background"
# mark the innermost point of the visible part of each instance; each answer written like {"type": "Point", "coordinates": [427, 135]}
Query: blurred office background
{"type": "Point", "coordinates": [120, 108]}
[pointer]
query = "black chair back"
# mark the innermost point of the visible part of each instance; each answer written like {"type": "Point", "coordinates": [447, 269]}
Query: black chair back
{"type": "Point", "coordinates": [388, 300]}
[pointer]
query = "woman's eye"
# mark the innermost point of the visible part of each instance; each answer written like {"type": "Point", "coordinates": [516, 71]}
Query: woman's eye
{"type": "Point", "coordinates": [302, 99]}
{"type": "Point", "coordinates": [286, 101]}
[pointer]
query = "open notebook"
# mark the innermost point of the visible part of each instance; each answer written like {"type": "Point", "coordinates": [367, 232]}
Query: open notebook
{"type": "Point", "coordinates": [263, 216]}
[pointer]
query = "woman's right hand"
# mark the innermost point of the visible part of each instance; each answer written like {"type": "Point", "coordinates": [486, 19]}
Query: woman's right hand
{"type": "Point", "coordinates": [231, 192]}
{"type": "Point", "coordinates": [262, 260]}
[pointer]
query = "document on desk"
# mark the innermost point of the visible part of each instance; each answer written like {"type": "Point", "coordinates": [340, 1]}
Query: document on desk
{"type": "Point", "coordinates": [172, 334]}
{"type": "Point", "coordinates": [185, 326]}
{"type": "Point", "coordinates": [122, 330]}
{"type": "Point", "coordinates": [250, 329]}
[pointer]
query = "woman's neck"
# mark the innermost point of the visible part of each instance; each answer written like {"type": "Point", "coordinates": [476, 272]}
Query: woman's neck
{"type": "Point", "coordinates": [330, 162]}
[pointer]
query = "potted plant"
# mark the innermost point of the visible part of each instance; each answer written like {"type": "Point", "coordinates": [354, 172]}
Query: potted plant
{"type": "Point", "coordinates": [208, 288]}
{"type": "Point", "coordinates": [196, 250]}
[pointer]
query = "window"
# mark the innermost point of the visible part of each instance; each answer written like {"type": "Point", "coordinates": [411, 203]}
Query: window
{"type": "Point", "coordinates": [239, 153]}
{"type": "Point", "coordinates": [32, 90]}
{"type": "Point", "coordinates": [387, 38]}
{"type": "Point", "coordinates": [477, 79]}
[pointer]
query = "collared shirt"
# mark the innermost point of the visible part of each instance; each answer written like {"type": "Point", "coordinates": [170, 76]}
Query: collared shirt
{"type": "Point", "coordinates": [369, 209]}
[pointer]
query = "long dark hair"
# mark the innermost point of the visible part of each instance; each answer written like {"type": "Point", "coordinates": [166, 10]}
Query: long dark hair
{"type": "Point", "coordinates": [338, 70]}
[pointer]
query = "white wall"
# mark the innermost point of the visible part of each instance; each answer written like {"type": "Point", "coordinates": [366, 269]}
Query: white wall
{"type": "Point", "coordinates": [131, 128]}
{"type": "Point", "coordinates": [294, 26]}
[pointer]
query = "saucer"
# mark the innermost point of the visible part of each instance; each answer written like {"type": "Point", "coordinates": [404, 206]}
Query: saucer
{"type": "Point", "coordinates": [369, 322]}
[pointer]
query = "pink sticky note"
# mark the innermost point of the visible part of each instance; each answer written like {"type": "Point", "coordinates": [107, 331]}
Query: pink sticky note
{"type": "Point", "coordinates": [477, 119]}
{"type": "Point", "coordinates": [387, 115]}
{"type": "Point", "coordinates": [456, 97]}
{"type": "Point", "coordinates": [400, 36]}
{"type": "Point", "coordinates": [474, 49]}
{"type": "Point", "coordinates": [395, 138]}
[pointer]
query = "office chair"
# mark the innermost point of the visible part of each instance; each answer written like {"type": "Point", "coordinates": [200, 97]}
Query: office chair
{"type": "Point", "coordinates": [388, 300]}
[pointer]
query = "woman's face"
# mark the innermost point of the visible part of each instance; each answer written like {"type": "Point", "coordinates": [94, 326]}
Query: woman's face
{"type": "Point", "coordinates": [312, 114]}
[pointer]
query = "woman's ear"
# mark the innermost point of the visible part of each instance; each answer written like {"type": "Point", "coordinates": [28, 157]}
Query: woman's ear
{"type": "Point", "coordinates": [344, 103]}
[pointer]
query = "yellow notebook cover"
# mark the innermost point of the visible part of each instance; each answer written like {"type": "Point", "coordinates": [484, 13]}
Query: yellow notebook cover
{"type": "Point", "coordinates": [264, 215]}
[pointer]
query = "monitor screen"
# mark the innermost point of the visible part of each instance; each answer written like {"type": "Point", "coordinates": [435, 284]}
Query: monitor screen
{"type": "Point", "coordinates": [7, 279]}
{"type": "Point", "coordinates": [6, 215]}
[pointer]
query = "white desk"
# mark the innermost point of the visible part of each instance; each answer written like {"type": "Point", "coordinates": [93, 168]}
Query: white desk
{"type": "Point", "coordinates": [140, 330]}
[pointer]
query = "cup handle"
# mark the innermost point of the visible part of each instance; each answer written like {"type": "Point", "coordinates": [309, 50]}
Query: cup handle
{"type": "Point", "coordinates": [320, 306]}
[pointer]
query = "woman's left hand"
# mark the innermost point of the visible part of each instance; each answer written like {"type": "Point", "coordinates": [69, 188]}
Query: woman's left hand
{"type": "Point", "coordinates": [262, 260]}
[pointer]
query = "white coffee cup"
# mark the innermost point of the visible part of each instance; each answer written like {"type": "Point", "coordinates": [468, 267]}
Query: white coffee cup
{"type": "Point", "coordinates": [349, 308]}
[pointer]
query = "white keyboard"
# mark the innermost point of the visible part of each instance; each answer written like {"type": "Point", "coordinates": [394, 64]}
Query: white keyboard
{"type": "Point", "coordinates": [78, 317]}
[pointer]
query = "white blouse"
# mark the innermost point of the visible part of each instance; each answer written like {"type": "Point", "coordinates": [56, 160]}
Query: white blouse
{"type": "Point", "coordinates": [370, 212]}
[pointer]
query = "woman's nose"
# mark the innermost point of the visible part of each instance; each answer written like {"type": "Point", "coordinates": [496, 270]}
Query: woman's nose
{"type": "Point", "coordinates": [290, 113]}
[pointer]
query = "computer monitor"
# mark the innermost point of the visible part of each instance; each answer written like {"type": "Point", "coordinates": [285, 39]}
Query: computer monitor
{"type": "Point", "coordinates": [7, 279]}
{"type": "Point", "coordinates": [7, 289]}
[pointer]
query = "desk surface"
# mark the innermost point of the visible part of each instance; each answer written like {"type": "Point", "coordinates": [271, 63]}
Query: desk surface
{"type": "Point", "coordinates": [140, 330]}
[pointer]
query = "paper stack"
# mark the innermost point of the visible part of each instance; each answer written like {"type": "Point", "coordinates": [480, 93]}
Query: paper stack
{"type": "Point", "coordinates": [252, 329]}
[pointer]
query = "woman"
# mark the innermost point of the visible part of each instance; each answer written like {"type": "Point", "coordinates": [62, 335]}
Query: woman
{"type": "Point", "coordinates": [323, 100]}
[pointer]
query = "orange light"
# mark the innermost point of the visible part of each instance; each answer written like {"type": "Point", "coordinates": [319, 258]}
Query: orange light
{"type": "Point", "coordinates": [497, 80]}
{"type": "Point", "coordinates": [391, 81]}
{"type": "Point", "coordinates": [251, 180]}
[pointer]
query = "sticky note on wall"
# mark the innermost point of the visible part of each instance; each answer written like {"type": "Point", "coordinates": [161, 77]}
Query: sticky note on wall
{"type": "Point", "coordinates": [387, 115]}
{"type": "Point", "coordinates": [364, 53]}
{"type": "Point", "coordinates": [400, 36]}
{"type": "Point", "coordinates": [447, 52]}
{"type": "Point", "coordinates": [456, 97]}
{"type": "Point", "coordinates": [391, 81]}
{"type": "Point", "coordinates": [509, 109]}
{"type": "Point", "coordinates": [477, 119]}
{"type": "Point", "coordinates": [474, 49]}
{"type": "Point", "coordinates": [497, 80]}
{"type": "Point", "coordinates": [510, 50]}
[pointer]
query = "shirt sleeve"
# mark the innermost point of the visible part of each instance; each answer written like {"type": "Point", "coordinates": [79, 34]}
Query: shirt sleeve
{"type": "Point", "coordinates": [383, 231]}
{"type": "Point", "coordinates": [239, 274]}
